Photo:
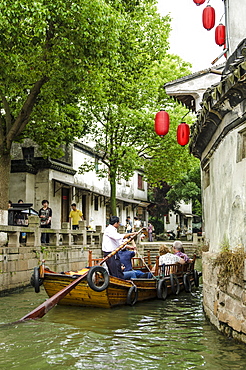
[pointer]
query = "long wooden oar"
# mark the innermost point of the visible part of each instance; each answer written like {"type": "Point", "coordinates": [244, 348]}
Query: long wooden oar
{"type": "Point", "coordinates": [42, 309]}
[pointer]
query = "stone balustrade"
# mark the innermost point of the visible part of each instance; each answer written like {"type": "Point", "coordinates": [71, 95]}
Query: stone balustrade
{"type": "Point", "coordinates": [67, 250]}
{"type": "Point", "coordinates": [63, 236]}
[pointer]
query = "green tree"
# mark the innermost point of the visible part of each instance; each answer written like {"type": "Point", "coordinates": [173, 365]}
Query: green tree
{"type": "Point", "coordinates": [188, 188]}
{"type": "Point", "coordinates": [120, 110]}
{"type": "Point", "coordinates": [47, 51]}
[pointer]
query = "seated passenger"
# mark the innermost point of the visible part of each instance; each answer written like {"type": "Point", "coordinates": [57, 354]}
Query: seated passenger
{"type": "Point", "coordinates": [125, 258]}
{"type": "Point", "coordinates": [167, 257]}
{"type": "Point", "coordinates": [179, 250]}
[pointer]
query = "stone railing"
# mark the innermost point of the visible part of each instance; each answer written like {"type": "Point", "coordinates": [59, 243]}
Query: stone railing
{"type": "Point", "coordinates": [63, 236]}
{"type": "Point", "coordinates": [67, 250]}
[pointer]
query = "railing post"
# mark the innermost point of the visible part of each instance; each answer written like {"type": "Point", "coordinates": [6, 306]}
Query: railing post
{"type": "Point", "coordinates": [66, 237]}
{"type": "Point", "coordinates": [33, 239]}
{"type": "Point", "coordinates": [14, 239]}
{"type": "Point", "coordinates": [82, 229]}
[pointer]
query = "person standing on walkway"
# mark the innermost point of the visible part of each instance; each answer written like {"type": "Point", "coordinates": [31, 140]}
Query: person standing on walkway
{"type": "Point", "coordinates": [75, 215]}
{"type": "Point", "coordinates": [111, 241]}
{"type": "Point", "coordinates": [137, 223]}
{"type": "Point", "coordinates": [128, 224]}
{"type": "Point", "coordinates": [150, 232]}
{"type": "Point", "coordinates": [45, 214]}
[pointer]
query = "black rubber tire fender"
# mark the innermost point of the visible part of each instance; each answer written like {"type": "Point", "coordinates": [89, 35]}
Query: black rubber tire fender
{"type": "Point", "coordinates": [187, 283]}
{"type": "Point", "coordinates": [36, 280]}
{"type": "Point", "coordinates": [174, 284]}
{"type": "Point", "coordinates": [132, 296]}
{"type": "Point", "coordinates": [196, 278]}
{"type": "Point", "coordinates": [162, 289]}
{"type": "Point", "coordinates": [91, 283]}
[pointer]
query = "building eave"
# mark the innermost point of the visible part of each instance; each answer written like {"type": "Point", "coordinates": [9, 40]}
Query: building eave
{"type": "Point", "coordinates": [219, 100]}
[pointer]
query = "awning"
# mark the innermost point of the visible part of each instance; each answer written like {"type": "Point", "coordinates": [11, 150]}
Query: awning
{"type": "Point", "coordinates": [144, 204]}
{"type": "Point", "coordinates": [128, 200]}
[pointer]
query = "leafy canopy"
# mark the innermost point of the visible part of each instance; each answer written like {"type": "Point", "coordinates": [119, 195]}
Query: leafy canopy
{"type": "Point", "coordinates": [47, 50]}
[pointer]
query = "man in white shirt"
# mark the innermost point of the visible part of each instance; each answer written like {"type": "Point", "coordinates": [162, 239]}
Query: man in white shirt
{"type": "Point", "coordinates": [112, 240]}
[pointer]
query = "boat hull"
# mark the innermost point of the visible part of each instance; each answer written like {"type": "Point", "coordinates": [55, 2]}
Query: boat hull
{"type": "Point", "coordinates": [82, 295]}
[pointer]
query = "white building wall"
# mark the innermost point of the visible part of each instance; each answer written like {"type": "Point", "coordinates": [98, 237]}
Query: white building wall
{"type": "Point", "coordinates": [33, 188]}
{"type": "Point", "coordinates": [235, 23]}
{"type": "Point", "coordinates": [225, 198]}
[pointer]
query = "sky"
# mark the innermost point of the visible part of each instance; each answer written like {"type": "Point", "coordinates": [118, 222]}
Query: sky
{"type": "Point", "coordinates": [188, 38]}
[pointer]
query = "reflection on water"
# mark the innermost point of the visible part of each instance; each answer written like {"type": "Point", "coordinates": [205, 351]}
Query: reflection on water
{"type": "Point", "coordinates": [152, 335]}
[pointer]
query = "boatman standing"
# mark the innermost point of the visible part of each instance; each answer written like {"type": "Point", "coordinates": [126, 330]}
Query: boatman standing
{"type": "Point", "coordinates": [112, 240]}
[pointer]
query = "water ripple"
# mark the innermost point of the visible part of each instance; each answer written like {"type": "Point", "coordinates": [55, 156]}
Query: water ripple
{"type": "Point", "coordinates": [158, 335]}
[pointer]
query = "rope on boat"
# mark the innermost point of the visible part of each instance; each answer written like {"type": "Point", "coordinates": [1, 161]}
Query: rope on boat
{"type": "Point", "coordinates": [142, 259]}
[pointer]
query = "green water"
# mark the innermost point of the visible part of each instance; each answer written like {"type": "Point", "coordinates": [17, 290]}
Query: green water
{"type": "Point", "coordinates": [153, 335]}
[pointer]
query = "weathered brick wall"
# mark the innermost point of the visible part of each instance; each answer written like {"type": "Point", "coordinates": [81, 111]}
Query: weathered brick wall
{"type": "Point", "coordinates": [224, 306]}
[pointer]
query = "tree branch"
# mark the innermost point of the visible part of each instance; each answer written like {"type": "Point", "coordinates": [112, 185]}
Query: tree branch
{"type": "Point", "coordinates": [24, 115]}
{"type": "Point", "coordinates": [8, 120]}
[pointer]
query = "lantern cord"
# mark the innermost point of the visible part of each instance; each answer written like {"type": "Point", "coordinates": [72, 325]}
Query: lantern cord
{"type": "Point", "coordinates": [221, 17]}
{"type": "Point", "coordinates": [185, 115]}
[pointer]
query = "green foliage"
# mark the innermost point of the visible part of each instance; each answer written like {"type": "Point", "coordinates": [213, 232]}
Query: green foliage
{"type": "Point", "coordinates": [188, 188]}
{"type": "Point", "coordinates": [47, 50]}
{"type": "Point", "coordinates": [159, 206]}
{"type": "Point", "coordinates": [158, 225]}
{"type": "Point", "coordinates": [119, 108]}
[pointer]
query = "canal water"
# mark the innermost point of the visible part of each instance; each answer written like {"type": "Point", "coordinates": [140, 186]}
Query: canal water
{"type": "Point", "coordinates": [171, 334]}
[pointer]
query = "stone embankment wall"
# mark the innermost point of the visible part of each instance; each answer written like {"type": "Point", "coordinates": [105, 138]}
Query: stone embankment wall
{"type": "Point", "coordinates": [68, 250]}
{"type": "Point", "coordinates": [16, 264]}
{"type": "Point", "coordinates": [224, 306]}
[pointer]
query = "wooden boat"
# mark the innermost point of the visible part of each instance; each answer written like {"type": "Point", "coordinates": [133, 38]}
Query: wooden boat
{"type": "Point", "coordinates": [98, 289]}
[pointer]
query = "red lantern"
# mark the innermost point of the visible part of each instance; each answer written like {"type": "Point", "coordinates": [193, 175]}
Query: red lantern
{"type": "Point", "coordinates": [208, 17]}
{"type": "Point", "coordinates": [183, 133]}
{"type": "Point", "coordinates": [162, 123]}
{"type": "Point", "coordinates": [220, 34]}
{"type": "Point", "coordinates": [199, 2]}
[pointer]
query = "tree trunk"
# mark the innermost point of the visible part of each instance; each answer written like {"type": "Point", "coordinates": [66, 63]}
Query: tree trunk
{"type": "Point", "coordinates": [5, 167]}
{"type": "Point", "coordinates": [113, 193]}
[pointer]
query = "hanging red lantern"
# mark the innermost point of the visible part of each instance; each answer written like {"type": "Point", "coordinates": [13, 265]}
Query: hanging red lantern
{"type": "Point", "coordinates": [162, 123]}
{"type": "Point", "coordinates": [208, 17]}
{"type": "Point", "coordinates": [220, 35]}
{"type": "Point", "coordinates": [183, 133]}
{"type": "Point", "coordinates": [199, 2]}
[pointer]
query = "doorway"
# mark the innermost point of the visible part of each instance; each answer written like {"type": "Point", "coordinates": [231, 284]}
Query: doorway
{"type": "Point", "coordinates": [84, 206]}
{"type": "Point", "coordinates": [65, 209]}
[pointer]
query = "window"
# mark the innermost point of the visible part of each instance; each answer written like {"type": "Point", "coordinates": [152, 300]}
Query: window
{"type": "Point", "coordinates": [96, 203]}
{"type": "Point", "coordinates": [28, 153]}
{"type": "Point", "coordinates": [140, 182]}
